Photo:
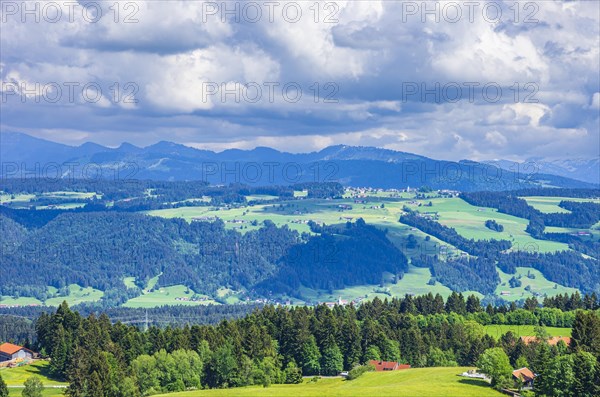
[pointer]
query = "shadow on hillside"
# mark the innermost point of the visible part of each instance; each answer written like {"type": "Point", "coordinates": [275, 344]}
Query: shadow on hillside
{"type": "Point", "coordinates": [474, 382]}
{"type": "Point", "coordinates": [39, 370]}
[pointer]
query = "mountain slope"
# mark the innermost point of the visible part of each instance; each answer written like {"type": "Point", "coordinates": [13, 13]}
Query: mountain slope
{"type": "Point", "coordinates": [352, 166]}
{"type": "Point", "coordinates": [586, 170]}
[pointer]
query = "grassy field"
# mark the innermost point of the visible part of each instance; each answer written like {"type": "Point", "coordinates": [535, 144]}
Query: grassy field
{"type": "Point", "coordinates": [261, 197]}
{"type": "Point", "coordinates": [47, 392]}
{"type": "Point", "coordinates": [536, 281]}
{"type": "Point", "coordinates": [550, 204]}
{"type": "Point", "coordinates": [76, 295]}
{"type": "Point", "coordinates": [24, 200]}
{"type": "Point", "coordinates": [421, 382]}
{"type": "Point", "coordinates": [17, 200]}
{"type": "Point", "coordinates": [15, 377]}
{"type": "Point", "coordinates": [167, 296]}
{"type": "Point", "coordinates": [469, 221]}
{"type": "Point", "coordinates": [497, 331]}
{"type": "Point", "coordinates": [21, 301]}
{"type": "Point", "coordinates": [413, 282]}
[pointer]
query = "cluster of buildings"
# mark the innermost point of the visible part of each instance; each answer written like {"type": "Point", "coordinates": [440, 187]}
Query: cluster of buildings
{"type": "Point", "coordinates": [192, 299]}
{"type": "Point", "coordinates": [524, 377]}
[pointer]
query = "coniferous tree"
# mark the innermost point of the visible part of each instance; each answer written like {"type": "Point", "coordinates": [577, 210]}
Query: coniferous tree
{"type": "Point", "coordinates": [292, 373]}
{"type": "Point", "coordinates": [332, 361]}
{"type": "Point", "coordinates": [350, 346]}
{"type": "Point", "coordinates": [585, 335]}
{"type": "Point", "coordinates": [310, 357]}
{"type": "Point", "coordinates": [473, 304]}
{"type": "Point", "coordinates": [585, 366]}
{"type": "Point", "coordinates": [3, 388]}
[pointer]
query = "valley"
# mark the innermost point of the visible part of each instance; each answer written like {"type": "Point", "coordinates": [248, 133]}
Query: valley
{"type": "Point", "coordinates": [297, 211]}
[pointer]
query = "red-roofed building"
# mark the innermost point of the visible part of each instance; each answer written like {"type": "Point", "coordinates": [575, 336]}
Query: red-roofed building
{"type": "Point", "coordinates": [525, 376]}
{"type": "Point", "coordinates": [388, 365]}
{"type": "Point", "coordinates": [552, 341]}
{"type": "Point", "coordinates": [9, 352]}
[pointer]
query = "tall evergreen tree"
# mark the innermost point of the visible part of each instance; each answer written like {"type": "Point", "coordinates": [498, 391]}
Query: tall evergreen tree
{"type": "Point", "coordinates": [3, 388]}
{"type": "Point", "coordinates": [585, 366]}
{"type": "Point", "coordinates": [585, 335]}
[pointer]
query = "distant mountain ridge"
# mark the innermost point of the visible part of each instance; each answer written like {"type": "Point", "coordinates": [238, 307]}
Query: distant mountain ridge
{"type": "Point", "coordinates": [349, 165]}
{"type": "Point", "coordinates": [586, 170]}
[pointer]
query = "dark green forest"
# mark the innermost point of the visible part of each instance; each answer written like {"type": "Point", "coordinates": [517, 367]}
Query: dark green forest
{"type": "Point", "coordinates": [279, 345]}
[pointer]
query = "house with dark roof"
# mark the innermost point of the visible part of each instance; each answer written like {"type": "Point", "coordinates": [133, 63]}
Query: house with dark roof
{"type": "Point", "coordinates": [525, 376]}
{"type": "Point", "coordinates": [10, 352]}
{"type": "Point", "coordinates": [388, 365]}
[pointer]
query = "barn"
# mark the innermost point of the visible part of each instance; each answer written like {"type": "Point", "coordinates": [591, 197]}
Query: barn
{"type": "Point", "coordinates": [9, 352]}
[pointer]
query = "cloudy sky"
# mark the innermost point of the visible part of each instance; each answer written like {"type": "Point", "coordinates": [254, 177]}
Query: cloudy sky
{"type": "Point", "coordinates": [454, 80]}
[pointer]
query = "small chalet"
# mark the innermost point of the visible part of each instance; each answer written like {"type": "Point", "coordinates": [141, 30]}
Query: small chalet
{"type": "Point", "coordinates": [525, 376]}
{"type": "Point", "coordinates": [388, 365]}
{"type": "Point", "coordinates": [10, 352]}
{"type": "Point", "coordinates": [552, 341]}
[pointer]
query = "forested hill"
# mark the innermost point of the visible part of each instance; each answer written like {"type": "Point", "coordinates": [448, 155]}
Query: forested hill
{"type": "Point", "coordinates": [100, 249]}
{"type": "Point", "coordinates": [338, 257]}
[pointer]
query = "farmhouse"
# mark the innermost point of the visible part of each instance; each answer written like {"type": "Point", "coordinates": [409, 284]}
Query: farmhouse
{"type": "Point", "coordinates": [10, 352]}
{"type": "Point", "coordinates": [524, 375]}
{"type": "Point", "coordinates": [388, 365]}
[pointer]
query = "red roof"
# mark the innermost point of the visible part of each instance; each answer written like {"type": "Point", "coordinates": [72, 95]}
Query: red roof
{"type": "Point", "coordinates": [388, 365]}
{"type": "Point", "coordinates": [9, 348]}
{"type": "Point", "coordinates": [524, 374]}
{"type": "Point", "coordinates": [552, 341]}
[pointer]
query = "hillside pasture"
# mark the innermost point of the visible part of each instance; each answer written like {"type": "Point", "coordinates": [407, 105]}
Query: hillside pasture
{"type": "Point", "coordinates": [419, 382]}
{"type": "Point", "coordinates": [469, 222]}
{"type": "Point", "coordinates": [538, 285]}
{"type": "Point", "coordinates": [497, 330]}
{"type": "Point", "coordinates": [550, 204]}
{"type": "Point", "coordinates": [173, 295]}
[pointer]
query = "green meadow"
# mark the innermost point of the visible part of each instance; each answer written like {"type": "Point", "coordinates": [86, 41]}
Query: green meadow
{"type": "Point", "coordinates": [173, 295]}
{"type": "Point", "coordinates": [419, 382]}
{"type": "Point", "coordinates": [414, 282]}
{"type": "Point", "coordinates": [469, 221]}
{"type": "Point", "coordinates": [77, 294]}
{"type": "Point", "coordinates": [497, 330]}
{"type": "Point", "coordinates": [533, 283]}
{"type": "Point", "coordinates": [15, 377]}
{"type": "Point", "coordinates": [550, 204]}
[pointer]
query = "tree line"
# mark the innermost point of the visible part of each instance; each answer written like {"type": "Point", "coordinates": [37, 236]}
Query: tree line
{"type": "Point", "coordinates": [279, 344]}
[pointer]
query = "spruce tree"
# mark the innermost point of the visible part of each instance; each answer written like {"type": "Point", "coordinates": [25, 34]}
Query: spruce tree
{"type": "Point", "coordinates": [3, 388]}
